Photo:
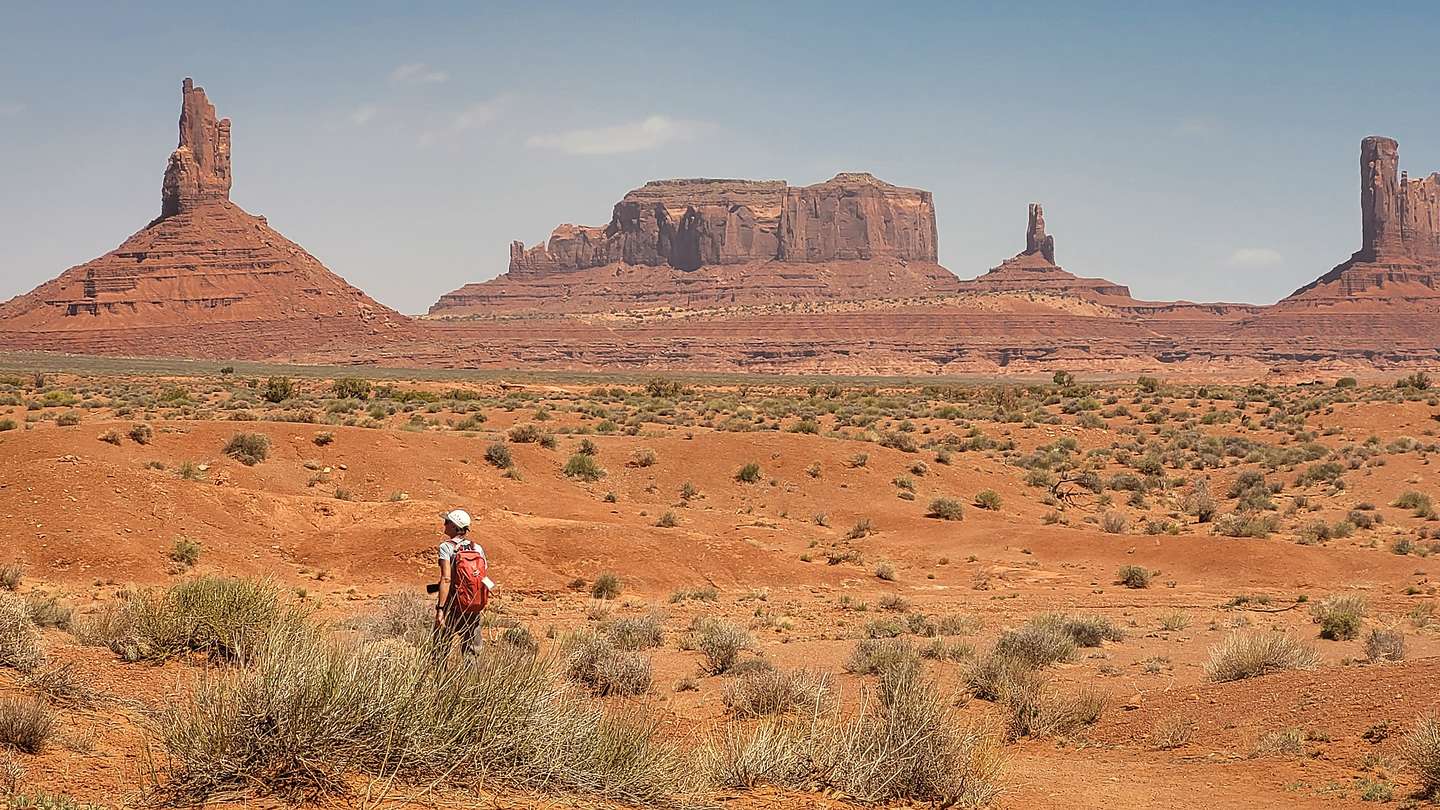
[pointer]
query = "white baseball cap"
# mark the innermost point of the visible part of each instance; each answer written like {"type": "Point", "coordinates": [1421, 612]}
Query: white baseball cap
{"type": "Point", "coordinates": [459, 518]}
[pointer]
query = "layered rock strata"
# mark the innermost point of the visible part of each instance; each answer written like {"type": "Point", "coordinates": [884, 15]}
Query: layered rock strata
{"type": "Point", "coordinates": [204, 279]}
{"type": "Point", "coordinates": [1399, 256]}
{"type": "Point", "coordinates": [1034, 270]}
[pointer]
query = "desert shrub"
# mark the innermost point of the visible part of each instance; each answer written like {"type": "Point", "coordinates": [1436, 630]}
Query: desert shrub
{"type": "Point", "coordinates": [1114, 522]}
{"type": "Point", "coordinates": [323, 439]}
{"type": "Point", "coordinates": [706, 594]}
{"type": "Point", "coordinates": [748, 474]}
{"type": "Point", "coordinates": [248, 448]}
{"type": "Point", "coordinates": [11, 575]}
{"type": "Point", "coordinates": [1199, 503]}
{"type": "Point", "coordinates": [1421, 750]}
{"type": "Point", "coordinates": [1038, 643]}
{"type": "Point", "coordinates": [1247, 524]}
{"type": "Point", "coordinates": [185, 552]}
{"type": "Point", "coordinates": [1326, 472]}
{"type": "Point", "coordinates": [885, 571]}
{"type": "Point", "coordinates": [668, 520]}
{"type": "Point", "coordinates": [987, 499]}
{"type": "Point", "coordinates": [48, 611]}
{"type": "Point", "coordinates": [606, 586]}
{"type": "Point", "coordinates": [141, 433]}
{"type": "Point", "coordinates": [1171, 732]}
{"type": "Point", "coordinates": [68, 419]}
{"type": "Point", "coordinates": [947, 509]}
{"type": "Point", "coordinates": [913, 747]}
{"type": "Point", "coordinates": [873, 656]}
{"type": "Point", "coordinates": [588, 448]}
{"type": "Point", "coordinates": [7, 425]}
{"type": "Point", "coordinates": [498, 455]}
{"type": "Point", "coordinates": [112, 437]}
{"type": "Point", "coordinates": [1417, 502]}
{"type": "Point", "coordinates": [278, 389]}
{"type": "Point", "coordinates": [405, 616]}
{"type": "Point", "coordinates": [863, 528]}
{"type": "Point", "coordinates": [525, 434]}
{"type": "Point", "coordinates": [25, 724]}
{"type": "Point", "coordinates": [310, 713]}
{"type": "Point", "coordinates": [351, 388]}
{"type": "Point", "coordinates": [1385, 645]}
{"type": "Point", "coordinates": [644, 457]}
{"type": "Point", "coordinates": [772, 692]}
{"type": "Point", "coordinates": [991, 676]}
{"type": "Point", "coordinates": [1339, 616]}
{"type": "Point", "coordinates": [584, 468]}
{"type": "Point", "coordinates": [596, 663]}
{"type": "Point", "coordinates": [518, 637]}
{"type": "Point", "coordinates": [1032, 709]}
{"type": "Point", "coordinates": [1249, 655]}
{"type": "Point", "coordinates": [1134, 576]}
{"type": "Point", "coordinates": [636, 632]}
{"type": "Point", "coordinates": [19, 641]}
{"type": "Point", "coordinates": [220, 617]}
{"type": "Point", "coordinates": [1085, 630]}
{"type": "Point", "coordinates": [720, 644]}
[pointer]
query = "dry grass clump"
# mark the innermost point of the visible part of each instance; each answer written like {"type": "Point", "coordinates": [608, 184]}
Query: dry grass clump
{"type": "Point", "coordinates": [1171, 732]}
{"type": "Point", "coordinates": [1041, 642]}
{"type": "Point", "coordinates": [721, 643]}
{"type": "Point", "coordinates": [1339, 616]}
{"type": "Point", "coordinates": [1086, 630]}
{"type": "Point", "coordinates": [306, 714]}
{"type": "Point", "coordinates": [1033, 709]}
{"type": "Point", "coordinates": [606, 586]}
{"type": "Point", "coordinates": [19, 640]}
{"type": "Point", "coordinates": [637, 632]}
{"type": "Point", "coordinates": [248, 448]}
{"type": "Point", "coordinates": [947, 509]}
{"type": "Point", "coordinates": [1134, 576]}
{"type": "Point", "coordinates": [1249, 655]}
{"type": "Point", "coordinates": [605, 670]}
{"type": "Point", "coordinates": [1385, 645]}
{"type": "Point", "coordinates": [771, 692]}
{"type": "Point", "coordinates": [11, 576]}
{"type": "Point", "coordinates": [217, 616]}
{"type": "Point", "coordinates": [406, 616]}
{"type": "Point", "coordinates": [25, 724]}
{"type": "Point", "coordinates": [60, 686]}
{"type": "Point", "coordinates": [1421, 750]}
{"type": "Point", "coordinates": [910, 745]}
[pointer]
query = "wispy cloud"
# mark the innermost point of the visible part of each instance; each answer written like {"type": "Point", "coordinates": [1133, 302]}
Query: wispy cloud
{"type": "Point", "coordinates": [11, 110]}
{"type": "Point", "coordinates": [364, 114]}
{"type": "Point", "coordinates": [651, 133]}
{"type": "Point", "coordinates": [1198, 127]}
{"type": "Point", "coordinates": [1255, 258]}
{"type": "Point", "coordinates": [417, 73]}
{"type": "Point", "coordinates": [475, 116]}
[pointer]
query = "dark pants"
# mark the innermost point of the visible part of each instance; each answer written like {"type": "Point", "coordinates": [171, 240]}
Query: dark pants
{"type": "Point", "coordinates": [464, 625]}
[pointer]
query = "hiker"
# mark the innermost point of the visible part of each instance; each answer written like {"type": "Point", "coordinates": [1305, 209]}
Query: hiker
{"type": "Point", "coordinates": [463, 590]}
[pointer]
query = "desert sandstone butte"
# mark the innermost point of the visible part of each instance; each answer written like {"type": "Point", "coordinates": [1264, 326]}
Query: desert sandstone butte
{"type": "Point", "coordinates": [732, 275]}
{"type": "Point", "coordinates": [203, 279]}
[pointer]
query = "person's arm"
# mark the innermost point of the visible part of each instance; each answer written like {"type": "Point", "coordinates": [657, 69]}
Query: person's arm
{"type": "Point", "coordinates": [443, 595]}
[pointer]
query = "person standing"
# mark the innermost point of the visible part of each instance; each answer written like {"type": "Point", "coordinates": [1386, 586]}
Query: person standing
{"type": "Point", "coordinates": [463, 589]}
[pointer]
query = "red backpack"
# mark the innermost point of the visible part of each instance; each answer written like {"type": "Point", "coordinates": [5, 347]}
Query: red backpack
{"type": "Point", "coordinates": [470, 575]}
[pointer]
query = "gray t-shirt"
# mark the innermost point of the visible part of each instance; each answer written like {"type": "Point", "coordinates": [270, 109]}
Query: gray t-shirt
{"type": "Point", "coordinates": [450, 548]}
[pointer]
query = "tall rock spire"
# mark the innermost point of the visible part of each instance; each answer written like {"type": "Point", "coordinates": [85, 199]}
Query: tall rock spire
{"type": "Point", "coordinates": [199, 168]}
{"type": "Point", "coordinates": [1036, 240]}
{"type": "Point", "coordinates": [1400, 218]}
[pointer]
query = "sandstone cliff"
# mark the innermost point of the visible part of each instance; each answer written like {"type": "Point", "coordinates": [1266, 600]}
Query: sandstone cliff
{"type": "Point", "coordinates": [1399, 256]}
{"type": "Point", "coordinates": [703, 242]}
{"type": "Point", "coordinates": [204, 279]}
{"type": "Point", "coordinates": [689, 224]}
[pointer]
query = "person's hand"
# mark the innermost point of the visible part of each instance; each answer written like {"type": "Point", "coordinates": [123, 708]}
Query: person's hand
{"type": "Point", "coordinates": [439, 617]}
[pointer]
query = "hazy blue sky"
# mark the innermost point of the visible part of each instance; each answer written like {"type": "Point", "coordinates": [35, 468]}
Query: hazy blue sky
{"type": "Point", "coordinates": [1191, 150]}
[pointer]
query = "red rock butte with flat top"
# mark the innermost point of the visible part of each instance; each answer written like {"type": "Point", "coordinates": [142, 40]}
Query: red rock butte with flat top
{"type": "Point", "coordinates": [204, 279]}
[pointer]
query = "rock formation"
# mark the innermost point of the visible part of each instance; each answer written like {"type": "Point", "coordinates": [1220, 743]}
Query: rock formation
{"type": "Point", "coordinates": [689, 224]}
{"type": "Point", "coordinates": [1036, 240]}
{"type": "Point", "coordinates": [199, 169]}
{"type": "Point", "coordinates": [1399, 255]}
{"type": "Point", "coordinates": [1034, 270]}
{"type": "Point", "coordinates": [204, 279]}
{"type": "Point", "coordinates": [720, 242]}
